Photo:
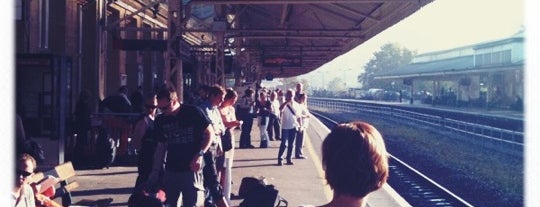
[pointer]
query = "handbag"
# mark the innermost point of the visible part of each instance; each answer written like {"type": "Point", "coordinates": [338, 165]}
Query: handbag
{"type": "Point", "coordinates": [226, 141]}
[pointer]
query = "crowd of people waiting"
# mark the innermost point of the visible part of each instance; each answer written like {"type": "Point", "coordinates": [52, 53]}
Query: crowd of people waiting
{"type": "Point", "coordinates": [192, 142]}
{"type": "Point", "coordinates": [184, 148]}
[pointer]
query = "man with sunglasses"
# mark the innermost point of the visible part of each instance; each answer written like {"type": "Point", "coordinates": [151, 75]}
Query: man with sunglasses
{"type": "Point", "coordinates": [22, 193]}
{"type": "Point", "coordinates": [144, 140]}
{"type": "Point", "coordinates": [183, 134]}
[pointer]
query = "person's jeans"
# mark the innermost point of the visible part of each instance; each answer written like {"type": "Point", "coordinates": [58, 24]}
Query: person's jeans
{"type": "Point", "coordinates": [213, 189]}
{"type": "Point", "coordinates": [299, 144]}
{"type": "Point", "coordinates": [274, 127]}
{"type": "Point", "coordinates": [263, 126]}
{"type": "Point", "coordinates": [189, 184]}
{"type": "Point", "coordinates": [287, 141]}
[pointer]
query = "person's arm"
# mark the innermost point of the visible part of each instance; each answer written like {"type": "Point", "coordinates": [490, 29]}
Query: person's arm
{"type": "Point", "coordinates": [305, 112]}
{"type": "Point", "coordinates": [138, 133]}
{"type": "Point", "coordinates": [298, 116]}
{"type": "Point", "coordinates": [196, 162]}
{"type": "Point", "coordinates": [308, 114]}
{"type": "Point", "coordinates": [157, 164]}
{"type": "Point", "coordinates": [229, 121]}
{"type": "Point", "coordinates": [221, 202]}
{"type": "Point", "coordinates": [283, 105]}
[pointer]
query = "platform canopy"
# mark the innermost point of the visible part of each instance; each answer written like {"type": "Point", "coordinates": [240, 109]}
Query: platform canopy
{"type": "Point", "coordinates": [290, 38]}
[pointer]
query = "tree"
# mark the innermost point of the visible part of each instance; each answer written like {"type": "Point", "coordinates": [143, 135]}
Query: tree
{"type": "Point", "coordinates": [290, 83]}
{"type": "Point", "coordinates": [336, 85]}
{"type": "Point", "coordinates": [390, 57]}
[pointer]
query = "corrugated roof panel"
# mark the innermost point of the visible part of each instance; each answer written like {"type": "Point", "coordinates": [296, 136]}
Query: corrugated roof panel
{"type": "Point", "coordinates": [447, 65]}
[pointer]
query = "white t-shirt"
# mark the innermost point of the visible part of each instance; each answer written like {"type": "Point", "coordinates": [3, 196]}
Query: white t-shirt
{"type": "Point", "coordinates": [288, 119]}
{"type": "Point", "coordinates": [305, 120]}
{"type": "Point", "coordinates": [274, 106]}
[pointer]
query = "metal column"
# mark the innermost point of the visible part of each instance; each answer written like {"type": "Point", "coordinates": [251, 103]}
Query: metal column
{"type": "Point", "coordinates": [173, 60]}
{"type": "Point", "coordinates": [220, 57]}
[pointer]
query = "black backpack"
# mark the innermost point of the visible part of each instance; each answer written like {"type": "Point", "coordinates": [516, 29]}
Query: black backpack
{"type": "Point", "coordinates": [257, 193]}
{"type": "Point", "coordinates": [105, 149]}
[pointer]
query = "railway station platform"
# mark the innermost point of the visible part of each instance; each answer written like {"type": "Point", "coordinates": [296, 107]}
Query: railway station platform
{"type": "Point", "coordinates": [300, 184]}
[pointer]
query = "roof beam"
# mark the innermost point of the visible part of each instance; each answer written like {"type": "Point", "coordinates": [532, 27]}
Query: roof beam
{"type": "Point", "coordinates": [285, 15]}
{"type": "Point", "coordinates": [140, 29]}
{"type": "Point", "coordinates": [291, 46]}
{"type": "Point", "coordinates": [353, 12]}
{"type": "Point", "coordinates": [300, 50]}
{"type": "Point", "coordinates": [331, 37]}
{"type": "Point", "coordinates": [194, 2]}
{"type": "Point", "coordinates": [297, 31]}
{"type": "Point", "coordinates": [339, 15]}
{"type": "Point", "coordinates": [135, 12]}
{"type": "Point", "coordinates": [294, 48]}
{"type": "Point", "coordinates": [277, 30]}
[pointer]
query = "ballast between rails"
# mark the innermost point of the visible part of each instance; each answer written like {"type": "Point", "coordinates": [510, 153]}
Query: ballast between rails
{"type": "Point", "coordinates": [479, 130]}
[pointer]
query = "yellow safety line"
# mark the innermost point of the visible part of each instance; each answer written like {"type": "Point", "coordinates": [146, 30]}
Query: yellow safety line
{"type": "Point", "coordinates": [315, 159]}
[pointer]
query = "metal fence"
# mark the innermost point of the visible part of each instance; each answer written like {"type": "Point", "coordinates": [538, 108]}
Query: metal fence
{"type": "Point", "coordinates": [386, 110]}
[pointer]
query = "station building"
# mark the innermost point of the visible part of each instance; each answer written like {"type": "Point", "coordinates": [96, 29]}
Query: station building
{"type": "Point", "coordinates": [487, 74]}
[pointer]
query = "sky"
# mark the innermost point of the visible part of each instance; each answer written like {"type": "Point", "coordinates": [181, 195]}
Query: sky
{"type": "Point", "coordinates": [440, 25]}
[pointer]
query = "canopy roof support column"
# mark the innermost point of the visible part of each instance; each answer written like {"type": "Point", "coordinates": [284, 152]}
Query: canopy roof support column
{"type": "Point", "coordinates": [220, 56]}
{"type": "Point", "coordinates": [173, 61]}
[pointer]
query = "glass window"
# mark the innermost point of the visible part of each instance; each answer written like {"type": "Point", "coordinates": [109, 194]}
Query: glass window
{"type": "Point", "coordinates": [478, 60]}
{"type": "Point", "coordinates": [506, 56]}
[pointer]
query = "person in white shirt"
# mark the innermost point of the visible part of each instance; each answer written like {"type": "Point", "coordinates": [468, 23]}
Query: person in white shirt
{"type": "Point", "coordinates": [274, 125]}
{"type": "Point", "coordinates": [289, 126]}
{"type": "Point", "coordinates": [304, 116]}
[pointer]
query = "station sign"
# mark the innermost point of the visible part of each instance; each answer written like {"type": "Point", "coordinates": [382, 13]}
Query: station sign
{"type": "Point", "coordinates": [282, 61]}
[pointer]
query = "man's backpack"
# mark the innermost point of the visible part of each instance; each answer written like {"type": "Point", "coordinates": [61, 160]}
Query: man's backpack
{"type": "Point", "coordinates": [257, 193]}
{"type": "Point", "coordinates": [105, 149]}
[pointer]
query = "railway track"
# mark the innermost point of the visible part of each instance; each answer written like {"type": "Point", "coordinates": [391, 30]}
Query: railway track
{"type": "Point", "coordinates": [416, 188]}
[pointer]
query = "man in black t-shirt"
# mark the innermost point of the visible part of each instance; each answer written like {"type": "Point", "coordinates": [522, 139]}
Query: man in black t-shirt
{"type": "Point", "coordinates": [184, 134]}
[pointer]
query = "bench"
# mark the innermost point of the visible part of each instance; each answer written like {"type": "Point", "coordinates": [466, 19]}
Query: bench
{"type": "Point", "coordinates": [67, 183]}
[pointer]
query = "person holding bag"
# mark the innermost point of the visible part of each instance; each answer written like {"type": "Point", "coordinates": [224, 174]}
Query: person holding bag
{"type": "Point", "coordinates": [228, 115]}
{"type": "Point", "coordinates": [304, 115]}
{"type": "Point", "coordinates": [289, 126]}
{"type": "Point", "coordinates": [274, 125]}
{"type": "Point", "coordinates": [263, 108]}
